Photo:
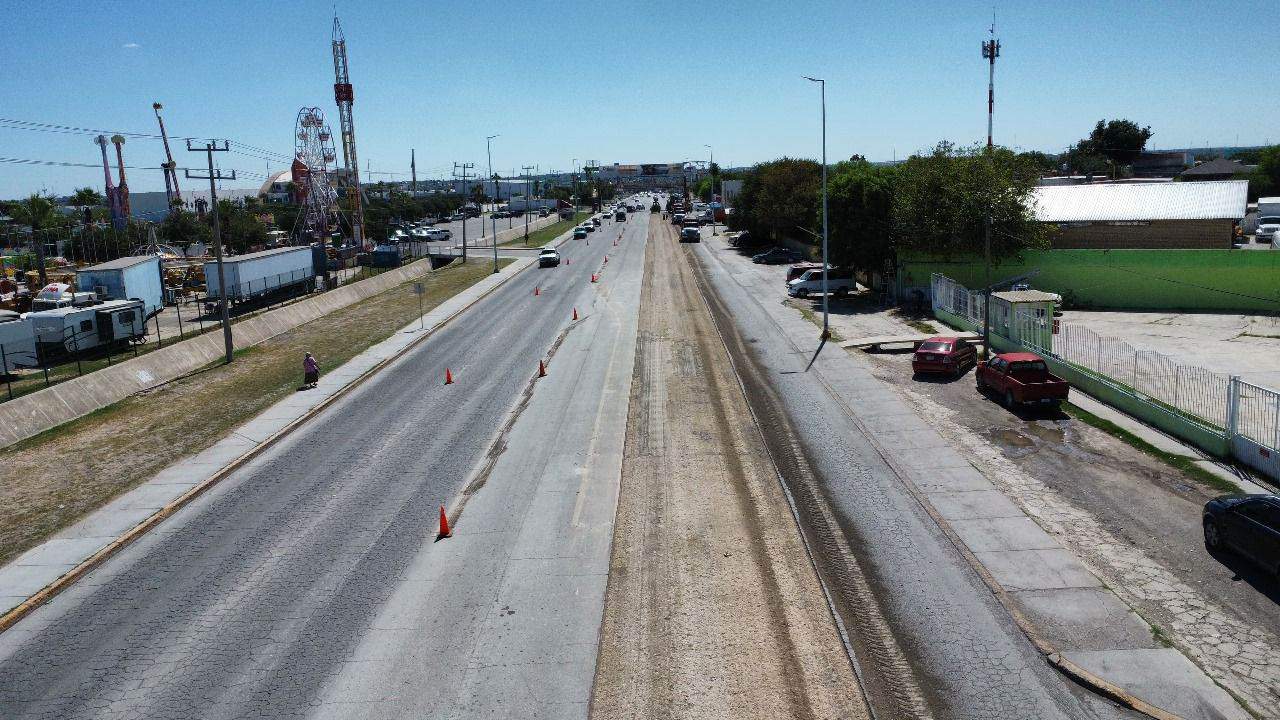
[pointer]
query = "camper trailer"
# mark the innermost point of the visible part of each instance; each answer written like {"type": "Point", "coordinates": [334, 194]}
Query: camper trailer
{"type": "Point", "coordinates": [17, 342]}
{"type": "Point", "coordinates": [59, 295]}
{"type": "Point", "coordinates": [126, 278]}
{"type": "Point", "coordinates": [70, 330]}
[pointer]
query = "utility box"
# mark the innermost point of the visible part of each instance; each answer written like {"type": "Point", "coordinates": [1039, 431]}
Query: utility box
{"type": "Point", "coordinates": [127, 278]}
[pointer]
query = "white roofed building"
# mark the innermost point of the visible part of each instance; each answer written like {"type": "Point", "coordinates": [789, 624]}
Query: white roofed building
{"type": "Point", "coordinates": [1143, 215]}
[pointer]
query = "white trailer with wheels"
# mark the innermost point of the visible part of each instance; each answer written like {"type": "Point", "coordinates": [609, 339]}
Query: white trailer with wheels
{"type": "Point", "coordinates": [257, 274]}
{"type": "Point", "coordinates": [71, 330]}
{"type": "Point", "coordinates": [17, 342]}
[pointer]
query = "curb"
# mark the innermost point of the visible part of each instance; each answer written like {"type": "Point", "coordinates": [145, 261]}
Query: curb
{"type": "Point", "coordinates": [48, 592]}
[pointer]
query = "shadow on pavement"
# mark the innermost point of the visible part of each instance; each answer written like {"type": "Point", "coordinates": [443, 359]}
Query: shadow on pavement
{"type": "Point", "coordinates": [1245, 570]}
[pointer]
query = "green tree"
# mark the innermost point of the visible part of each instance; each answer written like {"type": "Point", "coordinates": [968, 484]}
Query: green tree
{"type": "Point", "coordinates": [1046, 163]}
{"type": "Point", "coordinates": [941, 199]}
{"type": "Point", "coordinates": [860, 209]}
{"type": "Point", "coordinates": [1265, 180]}
{"type": "Point", "coordinates": [1120, 141]}
{"type": "Point", "coordinates": [182, 228]}
{"type": "Point", "coordinates": [780, 198]}
{"type": "Point", "coordinates": [86, 197]}
{"type": "Point", "coordinates": [40, 212]}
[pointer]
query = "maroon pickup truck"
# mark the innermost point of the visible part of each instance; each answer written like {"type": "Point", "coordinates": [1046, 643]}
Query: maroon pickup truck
{"type": "Point", "coordinates": [1020, 378]}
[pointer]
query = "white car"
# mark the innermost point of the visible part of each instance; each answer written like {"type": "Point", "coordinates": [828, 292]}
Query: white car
{"type": "Point", "coordinates": [439, 234]}
{"type": "Point", "coordinates": [839, 282]}
{"type": "Point", "coordinates": [549, 257]}
{"type": "Point", "coordinates": [1268, 230]}
{"type": "Point", "coordinates": [420, 234]}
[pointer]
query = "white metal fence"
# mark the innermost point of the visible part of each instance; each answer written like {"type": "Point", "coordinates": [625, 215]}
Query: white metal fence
{"type": "Point", "coordinates": [1224, 403]}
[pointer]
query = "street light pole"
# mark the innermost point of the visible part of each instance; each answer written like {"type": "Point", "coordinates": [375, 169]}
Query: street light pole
{"type": "Point", "coordinates": [489, 151]}
{"type": "Point", "coordinates": [826, 331]}
{"type": "Point", "coordinates": [711, 173]}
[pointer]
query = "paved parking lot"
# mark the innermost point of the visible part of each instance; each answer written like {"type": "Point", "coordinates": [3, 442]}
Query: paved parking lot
{"type": "Point", "coordinates": [1244, 345]}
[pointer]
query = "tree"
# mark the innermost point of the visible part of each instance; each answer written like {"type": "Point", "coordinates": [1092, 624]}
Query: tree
{"type": "Point", "coordinates": [86, 197]}
{"type": "Point", "coordinates": [860, 209]}
{"type": "Point", "coordinates": [941, 200]}
{"type": "Point", "coordinates": [1120, 141]}
{"type": "Point", "coordinates": [38, 211]}
{"type": "Point", "coordinates": [1265, 180]}
{"type": "Point", "coordinates": [780, 198]}
{"type": "Point", "coordinates": [182, 228]}
{"type": "Point", "coordinates": [1046, 163]}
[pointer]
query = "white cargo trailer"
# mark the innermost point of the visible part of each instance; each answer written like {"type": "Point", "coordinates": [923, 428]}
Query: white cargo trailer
{"type": "Point", "coordinates": [256, 274]}
{"type": "Point", "coordinates": [128, 278]}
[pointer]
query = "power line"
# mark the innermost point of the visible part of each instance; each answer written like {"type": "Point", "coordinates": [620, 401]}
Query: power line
{"type": "Point", "coordinates": [55, 163]}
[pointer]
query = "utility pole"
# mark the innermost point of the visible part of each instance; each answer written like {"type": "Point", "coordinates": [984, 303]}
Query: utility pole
{"type": "Point", "coordinates": [496, 194]}
{"type": "Point", "coordinates": [465, 176]}
{"type": "Point", "coordinates": [826, 332]}
{"type": "Point", "coordinates": [413, 171]}
{"type": "Point", "coordinates": [209, 148]}
{"type": "Point", "coordinates": [593, 167]}
{"type": "Point", "coordinates": [527, 185]}
{"type": "Point", "coordinates": [710, 172]}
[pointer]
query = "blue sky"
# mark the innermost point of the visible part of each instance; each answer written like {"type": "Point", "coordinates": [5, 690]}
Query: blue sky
{"type": "Point", "coordinates": [649, 81]}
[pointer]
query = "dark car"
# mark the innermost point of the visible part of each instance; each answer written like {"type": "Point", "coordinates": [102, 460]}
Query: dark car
{"type": "Point", "coordinates": [777, 256]}
{"type": "Point", "coordinates": [1246, 524]}
{"type": "Point", "coordinates": [947, 355]}
{"type": "Point", "coordinates": [690, 234]}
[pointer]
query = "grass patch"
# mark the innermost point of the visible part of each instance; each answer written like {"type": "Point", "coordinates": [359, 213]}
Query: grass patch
{"type": "Point", "coordinates": [538, 238]}
{"type": "Point", "coordinates": [57, 477]}
{"type": "Point", "coordinates": [1183, 463]}
{"type": "Point", "coordinates": [813, 317]}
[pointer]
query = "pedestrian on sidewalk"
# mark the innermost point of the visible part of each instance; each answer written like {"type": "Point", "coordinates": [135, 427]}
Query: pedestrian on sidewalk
{"type": "Point", "coordinates": [311, 372]}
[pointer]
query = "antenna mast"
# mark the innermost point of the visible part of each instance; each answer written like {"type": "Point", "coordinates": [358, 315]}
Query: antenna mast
{"type": "Point", "coordinates": [991, 51]}
{"type": "Point", "coordinates": [344, 96]}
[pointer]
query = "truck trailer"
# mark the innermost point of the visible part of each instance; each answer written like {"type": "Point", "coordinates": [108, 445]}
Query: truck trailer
{"type": "Point", "coordinates": [128, 278]}
{"type": "Point", "coordinates": [256, 274]}
{"type": "Point", "coordinates": [17, 342]}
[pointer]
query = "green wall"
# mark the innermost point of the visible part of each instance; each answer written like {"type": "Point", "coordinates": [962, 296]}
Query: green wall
{"type": "Point", "coordinates": [1242, 280]}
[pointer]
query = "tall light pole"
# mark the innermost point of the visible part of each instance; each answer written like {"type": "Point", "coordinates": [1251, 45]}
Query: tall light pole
{"type": "Point", "coordinates": [826, 328]}
{"type": "Point", "coordinates": [489, 151]}
{"type": "Point", "coordinates": [712, 174]}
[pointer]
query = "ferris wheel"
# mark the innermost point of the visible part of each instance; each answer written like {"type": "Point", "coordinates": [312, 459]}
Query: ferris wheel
{"type": "Point", "coordinates": [313, 172]}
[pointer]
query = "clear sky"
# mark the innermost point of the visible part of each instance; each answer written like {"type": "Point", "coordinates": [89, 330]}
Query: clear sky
{"type": "Point", "coordinates": [649, 81]}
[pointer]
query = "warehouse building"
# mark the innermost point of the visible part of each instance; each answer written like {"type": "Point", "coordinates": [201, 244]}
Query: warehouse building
{"type": "Point", "coordinates": [1160, 215]}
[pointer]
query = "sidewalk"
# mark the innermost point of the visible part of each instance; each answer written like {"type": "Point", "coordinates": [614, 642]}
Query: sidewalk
{"type": "Point", "coordinates": [1071, 616]}
{"type": "Point", "coordinates": [36, 570]}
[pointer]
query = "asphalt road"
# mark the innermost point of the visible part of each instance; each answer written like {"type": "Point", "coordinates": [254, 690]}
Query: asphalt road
{"type": "Point", "coordinates": [946, 648]}
{"type": "Point", "coordinates": [252, 598]}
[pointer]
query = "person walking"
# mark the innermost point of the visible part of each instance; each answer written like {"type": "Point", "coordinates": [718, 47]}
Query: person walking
{"type": "Point", "coordinates": [311, 371]}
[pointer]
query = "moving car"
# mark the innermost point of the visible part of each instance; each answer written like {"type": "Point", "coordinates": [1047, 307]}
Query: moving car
{"type": "Point", "coordinates": [690, 235]}
{"type": "Point", "coordinates": [620, 216]}
{"type": "Point", "coordinates": [1020, 378]}
{"type": "Point", "coordinates": [839, 283]}
{"type": "Point", "coordinates": [589, 226]}
{"type": "Point", "coordinates": [549, 257]}
{"type": "Point", "coordinates": [777, 256]}
{"type": "Point", "coordinates": [439, 234]}
{"type": "Point", "coordinates": [596, 221]}
{"type": "Point", "coordinates": [1247, 524]}
{"type": "Point", "coordinates": [543, 212]}
{"type": "Point", "coordinates": [947, 355]}
{"type": "Point", "coordinates": [456, 217]}
{"type": "Point", "coordinates": [579, 233]}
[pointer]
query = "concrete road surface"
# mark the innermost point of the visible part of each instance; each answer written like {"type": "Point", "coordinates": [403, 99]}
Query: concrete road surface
{"type": "Point", "coordinates": [308, 583]}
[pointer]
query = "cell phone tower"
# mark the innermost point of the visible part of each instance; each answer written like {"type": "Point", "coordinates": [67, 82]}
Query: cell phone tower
{"type": "Point", "coordinates": [344, 96]}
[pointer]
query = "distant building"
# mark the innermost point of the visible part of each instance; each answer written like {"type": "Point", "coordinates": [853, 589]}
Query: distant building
{"type": "Point", "coordinates": [1219, 169]}
{"type": "Point", "coordinates": [1142, 215]}
{"type": "Point", "coordinates": [1161, 164]}
{"type": "Point", "coordinates": [729, 190]}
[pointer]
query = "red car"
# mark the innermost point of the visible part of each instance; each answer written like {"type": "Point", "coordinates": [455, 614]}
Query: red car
{"type": "Point", "coordinates": [947, 355]}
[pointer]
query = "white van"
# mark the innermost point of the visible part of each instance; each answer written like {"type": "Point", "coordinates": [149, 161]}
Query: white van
{"type": "Point", "coordinates": [839, 282]}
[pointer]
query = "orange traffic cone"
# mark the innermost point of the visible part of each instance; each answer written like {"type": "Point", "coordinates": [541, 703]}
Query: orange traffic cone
{"type": "Point", "coordinates": [444, 524]}
{"type": "Point", "coordinates": [448, 377]}
{"type": "Point", "coordinates": [575, 313]}
{"type": "Point", "coordinates": [542, 369]}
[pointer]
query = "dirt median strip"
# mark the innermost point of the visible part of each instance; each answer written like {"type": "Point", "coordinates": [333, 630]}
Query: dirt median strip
{"type": "Point", "coordinates": [713, 609]}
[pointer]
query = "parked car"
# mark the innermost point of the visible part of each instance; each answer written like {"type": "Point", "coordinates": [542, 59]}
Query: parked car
{"type": "Point", "coordinates": [1248, 525]}
{"type": "Point", "coordinates": [799, 269]}
{"type": "Point", "coordinates": [457, 217]}
{"type": "Point", "coordinates": [499, 214]}
{"type": "Point", "coordinates": [839, 283]}
{"type": "Point", "coordinates": [579, 232]}
{"type": "Point", "coordinates": [1020, 378]}
{"type": "Point", "coordinates": [589, 226]}
{"type": "Point", "coordinates": [419, 234]}
{"type": "Point", "coordinates": [690, 234]}
{"type": "Point", "coordinates": [549, 257]}
{"type": "Point", "coordinates": [777, 256]}
{"type": "Point", "coordinates": [946, 355]}
{"type": "Point", "coordinates": [543, 212]}
{"type": "Point", "coordinates": [439, 233]}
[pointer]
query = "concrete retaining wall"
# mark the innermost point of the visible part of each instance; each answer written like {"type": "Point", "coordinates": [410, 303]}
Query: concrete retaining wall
{"type": "Point", "coordinates": [31, 414]}
{"type": "Point", "coordinates": [505, 234]}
